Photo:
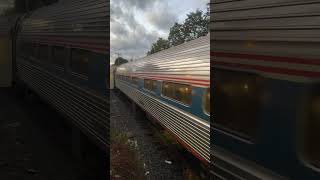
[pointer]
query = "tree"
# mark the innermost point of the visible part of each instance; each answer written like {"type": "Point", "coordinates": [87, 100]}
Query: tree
{"type": "Point", "coordinates": [195, 26]}
{"type": "Point", "coordinates": [176, 35]}
{"type": "Point", "coordinates": [120, 61]}
{"type": "Point", "coordinates": [159, 45]}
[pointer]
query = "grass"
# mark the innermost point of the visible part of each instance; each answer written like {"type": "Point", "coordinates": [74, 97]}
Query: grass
{"type": "Point", "coordinates": [125, 162]}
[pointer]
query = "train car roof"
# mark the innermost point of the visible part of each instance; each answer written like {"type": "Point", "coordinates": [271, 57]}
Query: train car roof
{"type": "Point", "coordinates": [77, 23]}
{"type": "Point", "coordinates": [187, 63]}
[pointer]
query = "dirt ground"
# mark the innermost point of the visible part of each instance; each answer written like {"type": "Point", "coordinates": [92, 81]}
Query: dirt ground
{"type": "Point", "coordinates": [151, 151]}
{"type": "Point", "coordinates": [35, 143]}
{"type": "Point", "coordinates": [125, 162]}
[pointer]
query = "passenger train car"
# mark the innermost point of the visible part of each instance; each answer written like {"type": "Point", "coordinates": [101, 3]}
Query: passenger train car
{"type": "Point", "coordinates": [6, 50]}
{"type": "Point", "coordinates": [173, 87]}
{"type": "Point", "coordinates": [60, 52]}
{"type": "Point", "coordinates": [266, 72]}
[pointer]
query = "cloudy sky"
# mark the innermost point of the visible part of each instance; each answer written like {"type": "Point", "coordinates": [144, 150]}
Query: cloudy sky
{"type": "Point", "coordinates": [136, 24]}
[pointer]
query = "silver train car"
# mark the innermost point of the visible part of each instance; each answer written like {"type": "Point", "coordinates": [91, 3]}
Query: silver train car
{"type": "Point", "coordinates": [173, 86]}
{"type": "Point", "coordinates": [6, 49]}
{"type": "Point", "coordinates": [62, 53]}
{"type": "Point", "coordinates": [266, 89]}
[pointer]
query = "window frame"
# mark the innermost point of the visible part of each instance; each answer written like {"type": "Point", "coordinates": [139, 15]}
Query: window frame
{"type": "Point", "coordinates": [38, 53]}
{"type": "Point", "coordinates": [136, 83]}
{"type": "Point", "coordinates": [22, 48]}
{"type": "Point", "coordinates": [152, 83]}
{"type": "Point", "coordinates": [249, 138]}
{"type": "Point", "coordinates": [303, 149]}
{"type": "Point", "coordinates": [175, 100]}
{"type": "Point", "coordinates": [75, 72]}
{"type": "Point", "coordinates": [52, 59]}
{"type": "Point", "coordinates": [204, 101]}
{"type": "Point", "coordinates": [33, 56]}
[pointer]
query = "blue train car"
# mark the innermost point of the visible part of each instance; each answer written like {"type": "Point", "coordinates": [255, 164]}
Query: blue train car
{"type": "Point", "coordinates": [173, 87]}
{"type": "Point", "coordinates": [266, 73]}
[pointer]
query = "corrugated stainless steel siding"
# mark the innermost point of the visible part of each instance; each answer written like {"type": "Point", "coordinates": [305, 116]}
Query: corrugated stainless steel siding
{"type": "Point", "coordinates": [6, 24]}
{"type": "Point", "coordinates": [190, 129]}
{"type": "Point", "coordinates": [228, 166]}
{"type": "Point", "coordinates": [275, 20]}
{"type": "Point", "coordinates": [188, 60]}
{"type": "Point", "coordinates": [88, 111]}
{"type": "Point", "coordinates": [277, 38]}
{"type": "Point", "coordinates": [83, 24]}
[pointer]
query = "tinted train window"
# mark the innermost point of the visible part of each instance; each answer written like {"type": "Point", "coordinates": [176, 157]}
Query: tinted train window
{"type": "Point", "coordinates": [237, 102]}
{"type": "Point", "coordinates": [80, 60]}
{"type": "Point", "coordinates": [312, 135]}
{"type": "Point", "coordinates": [43, 52]}
{"type": "Point", "coordinates": [206, 102]}
{"type": "Point", "coordinates": [58, 56]}
{"type": "Point", "coordinates": [34, 50]}
{"type": "Point", "coordinates": [135, 80]}
{"type": "Point", "coordinates": [150, 85]}
{"type": "Point", "coordinates": [25, 49]}
{"type": "Point", "coordinates": [179, 92]}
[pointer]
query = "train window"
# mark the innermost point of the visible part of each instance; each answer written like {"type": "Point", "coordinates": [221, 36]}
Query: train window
{"type": "Point", "coordinates": [58, 55]}
{"type": "Point", "coordinates": [311, 137]}
{"type": "Point", "coordinates": [237, 102]}
{"type": "Point", "coordinates": [179, 92]}
{"type": "Point", "coordinates": [150, 85]}
{"type": "Point", "coordinates": [80, 60]}
{"type": "Point", "coordinates": [34, 50]}
{"type": "Point", "coordinates": [26, 49]}
{"type": "Point", "coordinates": [43, 52]}
{"type": "Point", "coordinates": [206, 102]}
{"type": "Point", "coordinates": [135, 80]}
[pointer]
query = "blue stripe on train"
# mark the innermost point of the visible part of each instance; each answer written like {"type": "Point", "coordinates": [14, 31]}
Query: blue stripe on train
{"type": "Point", "coordinates": [196, 107]}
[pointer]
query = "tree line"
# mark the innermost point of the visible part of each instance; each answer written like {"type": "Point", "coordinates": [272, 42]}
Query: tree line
{"type": "Point", "coordinates": [195, 25]}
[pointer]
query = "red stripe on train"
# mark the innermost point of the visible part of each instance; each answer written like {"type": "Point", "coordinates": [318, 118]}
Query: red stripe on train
{"type": "Point", "coordinates": [168, 79]}
{"type": "Point", "coordinates": [271, 69]}
{"type": "Point", "coordinates": [194, 83]}
{"type": "Point", "coordinates": [267, 58]}
{"type": "Point", "coordinates": [187, 79]}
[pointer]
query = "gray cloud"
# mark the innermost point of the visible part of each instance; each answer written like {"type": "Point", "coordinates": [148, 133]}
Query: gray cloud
{"type": "Point", "coordinates": [128, 37]}
{"type": "Point", "coordinates": [162, 17]}
{"type": "Point", "coordinates": [141, 4]}
{"type": "Point", "coordinates": [137, 4]}
{"type": "Point", "coordinates": [132, 38]}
